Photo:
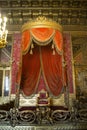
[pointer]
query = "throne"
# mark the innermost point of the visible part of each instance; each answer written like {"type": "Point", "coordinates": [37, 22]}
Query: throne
{"type": "Point", "coordinates": [43, 98]}
{"type": "Point", "coordinates": [42, 50]}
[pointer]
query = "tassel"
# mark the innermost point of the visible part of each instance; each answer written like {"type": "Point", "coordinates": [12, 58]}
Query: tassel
{"type": "Point", "coordinates": [31, 52]}
{"type": "Point", "coordinates": [53, 52]}
{"type": "Point", "coordinates": [32, 45]}
{"type": "Point", "coordinates": [52, 46]}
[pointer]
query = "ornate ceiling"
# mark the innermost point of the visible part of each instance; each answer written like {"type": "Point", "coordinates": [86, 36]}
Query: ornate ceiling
{"type": "Point", "coordinates": [71, 14]}
{"type": "Point", "coordinates": [65, 12]}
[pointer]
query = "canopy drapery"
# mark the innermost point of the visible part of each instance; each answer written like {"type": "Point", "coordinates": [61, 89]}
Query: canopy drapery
{"type": "Point", "coordinates": [46, 45]}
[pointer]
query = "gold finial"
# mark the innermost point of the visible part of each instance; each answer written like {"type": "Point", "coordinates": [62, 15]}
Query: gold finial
{"type": "Point", "coordinates": [40, 22]}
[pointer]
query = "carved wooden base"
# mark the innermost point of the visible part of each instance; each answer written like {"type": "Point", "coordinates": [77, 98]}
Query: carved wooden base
{"type": "Point", "coordinates": [42, 118]}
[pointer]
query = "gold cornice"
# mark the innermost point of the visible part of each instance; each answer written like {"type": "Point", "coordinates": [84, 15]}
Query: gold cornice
{"type": "Point", "coordinates": [41, 21]}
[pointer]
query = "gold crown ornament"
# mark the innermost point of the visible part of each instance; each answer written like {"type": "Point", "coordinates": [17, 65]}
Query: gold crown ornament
{"type": "Point", "coordinates": [40, 22]}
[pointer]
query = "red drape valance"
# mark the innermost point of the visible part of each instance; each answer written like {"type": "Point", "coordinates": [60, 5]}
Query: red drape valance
{"type": "Point", "coordinates": [41, 36]}
{"type": "Point", "coordinates": [58, 41]}
{"type": "Point", "coordinates": [26, 40]}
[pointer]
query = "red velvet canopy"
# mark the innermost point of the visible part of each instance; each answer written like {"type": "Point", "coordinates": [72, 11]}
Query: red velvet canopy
{"type": "Point", "coordinates": [42, 54]}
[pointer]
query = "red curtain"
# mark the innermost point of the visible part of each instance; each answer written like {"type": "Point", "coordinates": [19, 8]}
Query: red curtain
{"type": "Point", "coordinates": [51, 66]}
{"type": "Point", "coordinates": [52, 69]}
{"type": "Point", "coordinates": [30, 71]}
